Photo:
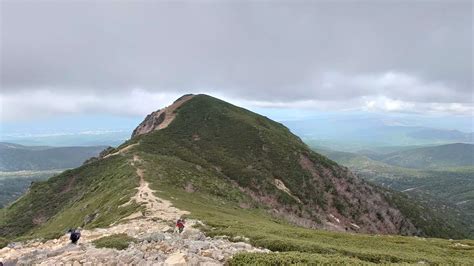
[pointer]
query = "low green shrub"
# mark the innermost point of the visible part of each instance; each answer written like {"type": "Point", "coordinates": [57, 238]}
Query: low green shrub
{"type": "Point", "coordinates": [118, 241]}
{"type": "Point", "coordinates": [3, 242]}
{"type": "Point", "coordinates": [292, 258]}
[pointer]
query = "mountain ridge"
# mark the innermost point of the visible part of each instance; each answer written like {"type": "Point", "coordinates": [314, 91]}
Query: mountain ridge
{"type": "Point", "coordinates": [447, 155]}
{"type": "Point", "coordinates": [302, 156]}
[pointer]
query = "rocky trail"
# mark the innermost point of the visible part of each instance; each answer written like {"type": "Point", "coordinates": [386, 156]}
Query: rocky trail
{"type": "Point", "coordinates": [157, 243]}
{"type": "Point", "coordinates": [154, 207]}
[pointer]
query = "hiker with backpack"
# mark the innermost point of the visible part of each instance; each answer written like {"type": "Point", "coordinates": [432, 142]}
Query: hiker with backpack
{"type": "Point", "coordinates": [75, 235]}
{"type": "Point", "coordinates": [180, 225]}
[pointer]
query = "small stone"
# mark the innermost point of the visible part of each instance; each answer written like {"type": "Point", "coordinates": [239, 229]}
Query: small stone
{"type": "Point", "coordinates": [167, 229]}
{"type": "Point", "coordinates": [242, 245]}
{"type": "Point", "coordinates": [217, 255]}
{"type": "Point", "coordinates": [206, 253]}
{"type": "Point", "coordinates": [193, 234]}
{"type": "Point", "coordinates": [176, 259]}
{"type": "Point", "coordinates": [156, 237]}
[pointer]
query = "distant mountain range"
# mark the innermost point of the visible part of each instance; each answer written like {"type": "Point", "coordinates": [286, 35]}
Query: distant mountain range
{"type": "Point", "coordinates": [448, 155]}
{"type": "Point", "coordinates": [58, 139]}
{"type": "Point", "coordinates": [15, 157]}
{"type": "Point", "coordinates": [442, 135]}
{"type": "Point", "coordinates": [353, 134]}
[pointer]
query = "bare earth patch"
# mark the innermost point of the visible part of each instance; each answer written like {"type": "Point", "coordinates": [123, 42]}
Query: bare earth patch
{"type": "Point", "coordinates": [121, 151]}
{"type": "Point", "coordinates": [281, 186]}
{"type": "Point", "coordinates": [155, 207]}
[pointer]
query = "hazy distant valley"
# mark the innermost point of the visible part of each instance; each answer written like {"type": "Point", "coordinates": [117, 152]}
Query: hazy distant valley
{"type": "Point", "coordinates": [21, 165]}
{"type": "Point", "coordinates": [379, 133]}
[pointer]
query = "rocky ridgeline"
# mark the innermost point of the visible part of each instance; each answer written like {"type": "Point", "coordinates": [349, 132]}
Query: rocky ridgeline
{"type": "Point", "coordinates": [160, 119]}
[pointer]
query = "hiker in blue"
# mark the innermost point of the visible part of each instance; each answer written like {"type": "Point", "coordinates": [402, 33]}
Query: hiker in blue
{"type": "Point", "coordinates": [75, 235]}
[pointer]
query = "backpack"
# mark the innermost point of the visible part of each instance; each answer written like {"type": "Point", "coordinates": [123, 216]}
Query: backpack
{"type": "Point", "coordinates": [75, 236]}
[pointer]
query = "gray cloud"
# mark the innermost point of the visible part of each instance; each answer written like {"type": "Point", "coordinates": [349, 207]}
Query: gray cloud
{"type": "Point", "coordinates": [272, 52]}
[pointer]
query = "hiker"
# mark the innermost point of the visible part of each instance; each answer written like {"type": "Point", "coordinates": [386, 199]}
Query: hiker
{"type": "Point", "coordinates": [180, 225]}
{"type": "Point", "coordinates": [75, 235]}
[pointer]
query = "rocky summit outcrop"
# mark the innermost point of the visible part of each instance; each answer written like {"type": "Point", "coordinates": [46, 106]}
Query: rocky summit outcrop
{"type": "Point", "coordinates": [161, 118]}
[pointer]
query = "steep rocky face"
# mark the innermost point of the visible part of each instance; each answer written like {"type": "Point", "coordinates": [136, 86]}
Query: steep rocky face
{"type": "Point", "coordinates": [160, 119]}
{"type": "Point", "coordinates": [355, 205]}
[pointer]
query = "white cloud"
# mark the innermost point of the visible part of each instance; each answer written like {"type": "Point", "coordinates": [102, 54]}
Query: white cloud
{"type": "Point", "coordinates": [257, 50]}
{"type": "Point", "coordinates": [32, 104]}
{"type": "Point", "coordinates": [388, 105]}
{"type": "Point", "coordinates": [381, 92]}
{"type": "Point", "coordinates": [384, 104]}
{"type": "Point", "coordinates": [337, 56]}
{"type": "Point", "coordinates": [391, 84]}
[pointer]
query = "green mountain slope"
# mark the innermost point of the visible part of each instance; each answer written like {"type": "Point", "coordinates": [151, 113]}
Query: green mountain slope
{"type": "Point", "coordinates": [262, 159]}
{"type": "Point", "coordinates": [242, 174]}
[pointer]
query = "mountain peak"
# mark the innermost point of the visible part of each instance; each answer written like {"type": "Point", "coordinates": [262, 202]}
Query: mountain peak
{"type": "Point", "coordinates": [266, 165]}
{"type": "Point", "coordinates": [161, 118]}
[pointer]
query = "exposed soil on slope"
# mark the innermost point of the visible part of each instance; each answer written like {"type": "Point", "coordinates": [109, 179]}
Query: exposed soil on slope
{"type": "Point", "coordinates": [155, 207]}
{"type": "Point", "coordinates": [160, 119]}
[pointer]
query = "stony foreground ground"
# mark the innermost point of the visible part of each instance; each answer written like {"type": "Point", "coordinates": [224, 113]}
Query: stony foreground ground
{"type": "Point", "coordinates": [157, 244]}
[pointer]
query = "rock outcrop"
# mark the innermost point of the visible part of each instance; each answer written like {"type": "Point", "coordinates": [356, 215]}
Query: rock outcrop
{"type": "Point", "coordinates": [160, 119]}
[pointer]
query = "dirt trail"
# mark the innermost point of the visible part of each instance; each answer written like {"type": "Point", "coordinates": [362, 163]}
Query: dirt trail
{"type": "Point", "coordinates": [121, 151]}
{"type": "Point", "coordinates": [156, 241]}
{"type": "Point", "coordinates": [155, 207]}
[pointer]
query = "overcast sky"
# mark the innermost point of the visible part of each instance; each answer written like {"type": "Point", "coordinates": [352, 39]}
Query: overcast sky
{"type": "Point", "coordinates": [131, 58]}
